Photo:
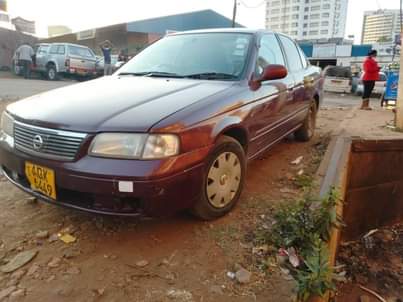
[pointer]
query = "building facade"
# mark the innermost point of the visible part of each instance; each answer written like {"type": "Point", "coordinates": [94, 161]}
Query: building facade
{"type": "Point", "coordinates": [307, 19]}
{"type": "Point", "coordinates": [58, 30]}
{"type": "Point", "coordinates": [380, 26]}
{"type": "Point", "coordinates": [24, 25]}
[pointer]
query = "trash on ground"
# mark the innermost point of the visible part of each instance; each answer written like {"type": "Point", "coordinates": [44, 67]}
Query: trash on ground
{"type": "Point", "coordinates": [18, 261]}
{"type": "Point", "coordinates": [297, 161]}
{"type": "Point", "coordinates": [67, 238]}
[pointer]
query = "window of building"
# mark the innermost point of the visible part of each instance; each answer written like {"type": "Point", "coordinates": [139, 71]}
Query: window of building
{"type": "Point", "coordinates": [275, 3]}
{"type": "Point", "coordinates": [325, 23]}
{"type": "Point", "coordinates": [294, 33]}
{"type": "Point", "coordinates": [294, 24]}
{"type": "Point", "coordinates": [269, 53]}
{"type": "Point", "coordinates": [292, 54]}
{"type": "Point", "coordinates": [306, 9]}
{"type": "Point", "coordinates": [304, 33]}
{"type": "Point", "coordinates": [305, 25]}
{"type": "Point", "coordinates": [313, 32]}
{"type": "Point", "coordinates": [314, 1]}
{"type": "Point", "coordinates": [306, 1]}
{"type": "Point", "coordinates": [275, 11]}
{"type": "Point", "coordinates": [295, 8]}
{"type": "Point", "coordinates": [314, 24]}
{"type": "Point", "coordinates": [295, 1]}
{"type": "Point", "coordinates": [315, 16]}
{"type": "Point", "coordinates": [326, 6]}
{"type": "Point", "coordinates": [324, 32]}
{"type": "Point", "coordinates": [295, 17]}
{"type": "Point", "coordinates": [315, 8]}
{"type": "Point", "coordinates": [274, 26]}
{"type": "Point", "coordinates": [285, 9]}
{"type": "Point", "coordinates": [306, 17]}
{"type": "Point", "coordinates": [325, 15]}
{"type": "Point", "coordinates": [275, 19]}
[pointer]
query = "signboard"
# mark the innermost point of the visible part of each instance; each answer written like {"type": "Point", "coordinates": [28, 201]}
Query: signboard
{"type": "Point", "coordinates": [86, 34]}
{"type": "Point", "coordinates": [343, 50]}
{"type": "Point", "coordinates": [392, 83]}
{"type": "Point", "coordinates": [324, 51]}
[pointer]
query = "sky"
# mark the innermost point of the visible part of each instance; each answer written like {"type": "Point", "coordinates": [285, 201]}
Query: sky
{"type": "Point", "coordinates": [86, 14]}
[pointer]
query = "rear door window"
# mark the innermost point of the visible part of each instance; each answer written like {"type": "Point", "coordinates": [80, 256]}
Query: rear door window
{"type": "Point", "coordinates": [43, 49]}
{"type": "Point", "coordinates": [61, 50]}
{"type": "Point", "coordinates": [292, 53]}
{"type": "Point", "coordinates": [54, 48]}
{"type": "Point", "coordinates": [80, 51]}
{"type": "Point", "coordinates": [269, 53]}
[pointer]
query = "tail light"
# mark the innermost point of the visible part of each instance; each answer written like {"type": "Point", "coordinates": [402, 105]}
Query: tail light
{"type": "Point", "coordinates": [67, 63]}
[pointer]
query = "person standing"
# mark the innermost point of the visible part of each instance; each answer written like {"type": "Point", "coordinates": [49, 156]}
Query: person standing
{"type": "Point", "coordinates": [370, 76]}
{"type": "Point", "coordinates": [25, 54]}
{"type": "Point", "coordinates": [106, 47]}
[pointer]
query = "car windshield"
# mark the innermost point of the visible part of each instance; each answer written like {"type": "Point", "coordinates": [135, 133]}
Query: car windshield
{"type": "Point", "coordinates": [201, 55]}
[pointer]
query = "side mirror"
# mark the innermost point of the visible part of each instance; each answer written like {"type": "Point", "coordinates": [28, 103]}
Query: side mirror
{"type": "Point", "coordinates": [270, 72]}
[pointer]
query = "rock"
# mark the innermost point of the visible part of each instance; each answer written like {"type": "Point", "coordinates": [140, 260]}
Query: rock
{"type": "Point", "coordinates": [42, 235]}
{"type": "Point", "coordinates": [17, 295]}
{"type": "Point", "coordinates": [6, 292]}
{"type": "Point", "coordinates": [18, 261]}
{"type": "Point", "coordinates": [71, 253]}
{"type": "Point", "coordinates": [73, 271]}
{"type": "Point", "coordinates": [364, 298]}
{"type": "Point", "coordinates": [180, 295]}
{"type": "Point", "coordinates": [32, 270]}
{"type": "Point", "coordinates": [231, 275]}
{"type": "Point", "coordinates": [215, 289]}
{"type": "Point", "coordinates": [53, 238]}
{"type": "Point", "coordinates": [243, 276]}
{"type": "Point", "coordinates": [55, 262]}
{"type": "Point", "coordinates": [142, 263]}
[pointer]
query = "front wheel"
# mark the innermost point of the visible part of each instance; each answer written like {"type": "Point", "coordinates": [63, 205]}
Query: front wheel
{"type": "Point", "coordinates": [51, 73]}
{"type": "Point", "coordinates": [307, 130]}
{"type": "Point", "coordinates": [223, 179]}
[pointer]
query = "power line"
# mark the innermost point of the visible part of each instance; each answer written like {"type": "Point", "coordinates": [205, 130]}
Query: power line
{"type": "Point", "coordinates": [252, 6]}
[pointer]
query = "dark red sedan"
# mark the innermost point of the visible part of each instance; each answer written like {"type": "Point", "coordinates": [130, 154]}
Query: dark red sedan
{"type": "Point", "coordinates": [172, 129]}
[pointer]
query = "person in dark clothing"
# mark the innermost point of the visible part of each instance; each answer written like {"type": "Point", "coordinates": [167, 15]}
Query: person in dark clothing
{"type": "Point", "coordinates": [370, 76]}
{"type": "Point", "coordinates": [106, 47]}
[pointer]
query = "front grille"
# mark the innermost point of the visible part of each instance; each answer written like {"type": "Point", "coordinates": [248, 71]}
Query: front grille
{"type": "Point", "coordinates": [47, 143]}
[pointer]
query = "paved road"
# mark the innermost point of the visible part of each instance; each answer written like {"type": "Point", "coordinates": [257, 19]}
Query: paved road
{"type": "Point", "coordinates": [21, 88]}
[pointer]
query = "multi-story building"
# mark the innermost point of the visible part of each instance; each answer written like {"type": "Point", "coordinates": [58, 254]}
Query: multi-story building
{"type": "Point", "coordinates": [380, 26]}
{"type": "Point", "coordinates": [307, 19]}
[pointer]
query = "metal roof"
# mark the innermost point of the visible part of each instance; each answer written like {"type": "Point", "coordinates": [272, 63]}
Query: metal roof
{"type": "Point", "coordinates": [182, 22]}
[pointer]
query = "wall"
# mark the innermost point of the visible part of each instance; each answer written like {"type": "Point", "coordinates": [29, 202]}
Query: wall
{"type": "Point", "coordinates": [9, 42]}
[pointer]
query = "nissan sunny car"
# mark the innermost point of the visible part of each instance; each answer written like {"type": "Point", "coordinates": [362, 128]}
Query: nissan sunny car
{"type": "Point", "coordinates": [173, 129]}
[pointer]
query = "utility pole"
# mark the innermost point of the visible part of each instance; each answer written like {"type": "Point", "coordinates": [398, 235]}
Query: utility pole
{"type": "Point", "coordinates": [234, 13]}
{"type": "Point", "coordinates": [399, 101]}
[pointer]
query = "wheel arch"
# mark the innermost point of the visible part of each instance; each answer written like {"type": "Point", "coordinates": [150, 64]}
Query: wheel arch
{"type": "Point", "coordinates": [233, 127]}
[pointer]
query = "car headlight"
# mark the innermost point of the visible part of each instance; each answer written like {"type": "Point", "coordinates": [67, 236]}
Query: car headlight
{"type": "Point", "coordinates": [7, 124]}
{"type": "Point", "coordinates": [134, 146]}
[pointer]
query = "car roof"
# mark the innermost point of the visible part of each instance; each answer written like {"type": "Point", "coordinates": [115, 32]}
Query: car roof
{"type": "Point", "coordinates": [222, 30]}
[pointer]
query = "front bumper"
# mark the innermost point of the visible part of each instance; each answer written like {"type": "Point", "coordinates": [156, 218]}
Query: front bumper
{"type": "Point", "coordinates": [92, 184]}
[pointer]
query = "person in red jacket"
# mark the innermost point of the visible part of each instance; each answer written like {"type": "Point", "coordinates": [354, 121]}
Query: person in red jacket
{"type": "Point", "coordinates": [370, 76]}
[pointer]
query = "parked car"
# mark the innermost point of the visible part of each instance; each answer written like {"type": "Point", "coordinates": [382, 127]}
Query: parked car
{"type": "Point", "coordinates": [173, 129]}
{"type": "Point", "coordinates": [116, 64]}
{"type": "Point", "coordinates": [338, 79]}
{"type": "Point", "coordinates": [65, 59]}
{"type": "Point", "coordinates": [379, 87]}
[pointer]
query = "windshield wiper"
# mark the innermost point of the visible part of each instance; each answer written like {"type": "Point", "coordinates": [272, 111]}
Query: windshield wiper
{"type": "Point", "coordinates": [153, 74]}
{"type": "Point", "coordinates": [211, 76]}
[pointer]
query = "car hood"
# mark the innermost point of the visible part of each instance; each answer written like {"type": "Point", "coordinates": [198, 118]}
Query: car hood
{"type": "Point", "coordinates": [113, 103]}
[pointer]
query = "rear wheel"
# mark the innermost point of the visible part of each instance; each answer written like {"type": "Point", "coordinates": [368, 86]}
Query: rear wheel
{"type": "Point", "coordinates": [307, 131]}
{"type": "Point", "coordinates": [223, 179]}
{"type": "Point", "coordinates": [51, 73]}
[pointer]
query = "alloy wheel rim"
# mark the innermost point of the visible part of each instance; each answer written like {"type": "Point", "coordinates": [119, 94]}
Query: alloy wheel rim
{"type": "Point", "coordinates": [223, 179]}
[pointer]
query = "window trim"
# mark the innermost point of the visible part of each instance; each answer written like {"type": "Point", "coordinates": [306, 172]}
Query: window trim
{"type": "Point", "coordinates": [285, 54]}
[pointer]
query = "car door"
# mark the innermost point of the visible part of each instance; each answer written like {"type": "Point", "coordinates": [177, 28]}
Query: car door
{"type": "Point", "coordinates": [298, 98]}
{"type": "Point", "coordinates": [41, 57]}
{"type": "Point", "coordinates": [271, 105]}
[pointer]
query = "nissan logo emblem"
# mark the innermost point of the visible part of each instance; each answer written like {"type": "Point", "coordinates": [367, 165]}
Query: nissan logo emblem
{"type": "Point", "coordinates": [37, 142]}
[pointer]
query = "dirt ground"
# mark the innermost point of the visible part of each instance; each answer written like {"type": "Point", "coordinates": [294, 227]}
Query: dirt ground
{"type": "Point", "coordinates": [173, 259]}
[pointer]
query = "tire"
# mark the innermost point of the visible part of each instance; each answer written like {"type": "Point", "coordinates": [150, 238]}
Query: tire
{"type": "Point", "coordinates": [307, 130]}
{"type": "Point", "coordinates": [51, 73]}
{"type": "Point", "coordinates": [227, 163]}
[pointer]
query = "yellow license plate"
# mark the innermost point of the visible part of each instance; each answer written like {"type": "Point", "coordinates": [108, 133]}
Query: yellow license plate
{"type": "Point", "coordinates": [41, 179]}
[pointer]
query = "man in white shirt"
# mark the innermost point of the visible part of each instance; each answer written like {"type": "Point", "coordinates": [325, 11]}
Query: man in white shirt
{"type": "Point", "coordinates": [24, 55]}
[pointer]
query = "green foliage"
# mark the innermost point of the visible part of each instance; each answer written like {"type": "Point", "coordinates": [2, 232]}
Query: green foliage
{"type": "Point", "coordinates": [306, 226]}
{"type": "Point", "coordinates": [316, 276]}
{"type": "Point", "coordinates": [304, 181]}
